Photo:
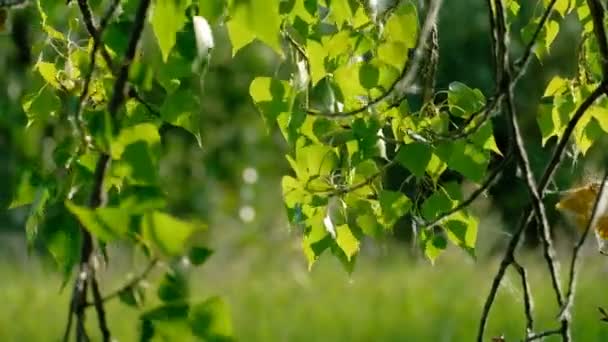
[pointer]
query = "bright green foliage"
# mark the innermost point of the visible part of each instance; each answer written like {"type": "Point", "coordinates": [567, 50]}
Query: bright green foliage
{"type": "Point", "coordinates": [336, 193]}
{"type": "Point", "coordinates": [71, 192]}
{"type": "Point", "coordinates": [169, 16]}
{"type": "Point", "coordinates": [464, 101]}
{"type": "Point", "coordinates": [245, 26]}
{"type": "Point", "coordinates": [106, 224]}
{"type": "Point", "coordinates": [167, 234]}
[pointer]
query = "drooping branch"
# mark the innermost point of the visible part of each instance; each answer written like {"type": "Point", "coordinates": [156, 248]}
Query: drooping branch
{"type": "Point", "coordinates": [543, 334]}
{"type": "Point", "coordinates": [527, 296]}
{"type": "Point", "coordinates": [135, 281]}
{"type": "Point", "coordinates": [409, 73]}
{"type": "Point", "coordinates": [97, 41]}
{"type": "Point", "coordinates": [98, 195]}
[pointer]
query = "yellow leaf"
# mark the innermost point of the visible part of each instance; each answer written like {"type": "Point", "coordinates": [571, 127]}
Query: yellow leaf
{"type": "Point", "coordinates": [579, 201]}
{"type": "Point", "coordinates": [602, 227]}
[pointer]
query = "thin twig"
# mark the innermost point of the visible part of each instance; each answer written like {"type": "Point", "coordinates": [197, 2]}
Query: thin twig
{"type": "Point", "coordinates": [543, 334]}
{"type": "Point", "coordinates": [473, 196]}
{"type": "Point", "coordinates": [527, 296]}
{"type": "Point", "coordinates": [97, 42]}
{"type": "Point", "coordinates": [132, 282]}
{"type": "Point", "coordinates": [522, 62]}
{"type": "Point", "coordinates": [99, 308]}
{"type": "Point", "coordinates": [95, 33]}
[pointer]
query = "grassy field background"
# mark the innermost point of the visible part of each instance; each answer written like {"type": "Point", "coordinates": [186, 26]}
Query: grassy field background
{"type": "Point", "coordinates": [273, 297]}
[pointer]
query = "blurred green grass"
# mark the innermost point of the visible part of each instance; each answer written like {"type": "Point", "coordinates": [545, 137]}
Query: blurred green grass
{"type": "Point", "coordinates": [273, 297]}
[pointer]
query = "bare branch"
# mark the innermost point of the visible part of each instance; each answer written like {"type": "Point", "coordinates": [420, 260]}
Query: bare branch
{"type": "Point", "coordinates": [527, 296]}
{"type": "Point", "coordinates": [132, 283]}
{"type": "Point", "coordinates": [99, 308]}
{"type": "Point", "coordinates": [543, 334]}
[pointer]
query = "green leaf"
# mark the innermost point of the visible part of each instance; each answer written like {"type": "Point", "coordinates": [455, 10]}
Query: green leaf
{"type": "Point", "coordinates": [270, 98]}
{"type": "Point", "coordinates": [211, 320]}
{"type": "Point", "coordinates": [436, 167]}
{"type": "Point", "coordinates": [48, 72]}
{"type": "Point", "coordinates": [315, 160]}
{"type": "Point", "coordinates": [561, 6]}
{"type": "Point", "coordinates": [368, 76]}
{"type": "Point", "coordinates": [340, 11]}
{"type": "Point", "coordinates": [167, 312]}
{"type": "Point", "coordinates": [61, 236]}
{"type": "Point", "coordinates": [139, 199]}
{"type": "Point", "coordinates": [132, 296]}
{"type": "Point", "coordinates": [168, 234]}
{"type": "Point", "coordinates": [402, 26]}
{"type": "Point", "coordinates": [137, 150]}
{"type": "Point", "coordinates": [437, 204]}
{"type": "Point", "coordinates": [394, 205]}
{"type": "Point", "coordinates": [393, 53]}
{"type": "Point", "coordinates": [211, 10]}
{"type": "Point", "coordinates": [316, 59]}
{"type": "Point", "coordinates": [198, 255]}
{"type": "Point", "coordinates": [556, 86]}
{"type": "Point", "coordinates": [248, 23]}
{"type": "Point", "coordinates": [168, 17]}
{"type": "Point", "coordinates": [432, 244]}
{"type": "Point", "coordinates": [173, 287]}
{"type": "Point", "coordinates": [107, 224]}
{"type": "Point", "coordinates": [347, 241]}
{"type": "Point", "coordinates": [468, 159]}
{"type": "Point", "coordinates": [415, 157]}
{"type": "Point", "coordinates": [183, 109]}
{"type": "Point", "coordinates": [146, 132]}
{"type": "Point", "coordinates": [316, 238]}
{"type": "Point", "coordinates": [552, 29]}
{"type": "Point", "coordinates": [41, 105]}
{"type": "Point", "coordinates": [484, 138]}
{"type": "Point", "coordinates": [25, 192]}
{"type": "Point", "coordinates": [462, 231]}
{"type": "Point", "coordinates": [36, 214]}
{"type": "Point", "coordinates": [464, 101]}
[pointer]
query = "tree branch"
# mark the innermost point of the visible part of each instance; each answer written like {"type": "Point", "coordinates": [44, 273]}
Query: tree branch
{"type": "Point", "coordinates": [508, 258]}
{"type": "Point", "coordinates": [132, 283]}
{"type": "Point", "coordinates": [543, 334]}
{"type": "Point", "coordinates": [524, 163]}
{"type": "Point", "coordinates": [527, 296]}
{"type": "Point", "coordinates": [98, 195]}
